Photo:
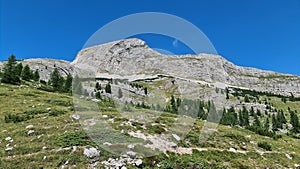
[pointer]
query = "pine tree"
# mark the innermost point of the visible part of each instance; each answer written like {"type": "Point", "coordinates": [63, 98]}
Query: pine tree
{"type": "Point", "coordinates": [247, 100]}
{"type": "Point", "coordinates": [98, 95]}
{"type": "Point", "coordinates": [56, 80]}
{"type": "Point", "coordinates": [98, 86]}
{"type": "Point", "coordinates": [19, 69]}
{"type": "Point", "coordinates": [267, 124]}
{"type": "Point", "coordinates": [68, 83]}
{"type": "Point", "coordinates": [274, 123]}
{"type": "Point", "coordinates": [256, 121]}
{"type": "Point", "coordinates": [10, 74]}
{"type": "Point", "coordinates": [108, 88]}
{"type": "Point", "coordinates": [252, 111]}
{"type": "Point", "coordinates": [245, 115]}
{"type": "Point", "coordinates": [295, 122]}
{"type": "Point", "coordinates": [173, 105]}
{"type": "Point", "coordinates": [241, 119]}
{"type": "Point", "coordinates": [26, 73]}
{"type": "Point", "coordinates": [36, 75]}
{"type": "Point", "coordinates": [258, 112]}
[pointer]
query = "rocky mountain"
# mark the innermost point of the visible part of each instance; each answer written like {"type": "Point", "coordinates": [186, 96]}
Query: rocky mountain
{"type": "Point", "coordinates": [132, 59]}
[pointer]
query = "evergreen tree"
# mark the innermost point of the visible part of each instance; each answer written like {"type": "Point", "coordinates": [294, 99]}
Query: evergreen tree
{"type": "Point", "coordinates": [245, 116]}
{"type": "Point", "coordinates": [173, 105]}
{"type": "Point", "coordinates": [252, 111]}
{"type": "Point", "coordinates": [258, 112]}
{"type": "Point", "coordinates": [98, 86]}
{"type": "Point", "coordinates": [241, 119]}
{"type": "Point", "coordinates": [19, 69]}
{"type": "Point", "coordinates": [146, 90]}
{"type": "Point", "coordinates": [68, 83]}
{"type": "Point", "coordinates": [295, 122]}
{"type": "Point", "coordinates": [98, 95]}
{"type": "Point", "coordinates": [108, 88]}
{"type": "Point", "coordinates": [36, 75]}
{"type": "Point", "coordinates": [256, 121]}
{"type": "Point", "coordinates": [56, 80]}
{"type": "Point", "coordinates": [26, 73]}
{"type": "Point", "coordinates": [10, 74]}
{"type": "Point", "coordinates": [282, 117]}
{"type": "Point", "coordinates": [247, 100]}
{"type": "Point", "coordinates": [267, 124]}
{"type": "Point", "coordinates": [274, 123]}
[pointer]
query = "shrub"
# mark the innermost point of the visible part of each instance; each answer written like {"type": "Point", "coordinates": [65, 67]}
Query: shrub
{"type": "Point", "coordinates": [15, 118]}
{"type": "Point", "coordinates": [35, 112]}
{"type": "Point", "coordinates": [56, 112]}
{"type": "Point", "coordinates": [73, 138]}
{"type": "Point", "coordinates": [265, 146]}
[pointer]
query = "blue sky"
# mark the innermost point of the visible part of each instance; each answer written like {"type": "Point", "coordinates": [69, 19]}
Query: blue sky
{"type": "Point", "coordinates": [257, 33]}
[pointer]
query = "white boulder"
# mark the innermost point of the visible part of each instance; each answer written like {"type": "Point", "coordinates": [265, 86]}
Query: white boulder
{"type": "Point", "coordinates": [91, 152]}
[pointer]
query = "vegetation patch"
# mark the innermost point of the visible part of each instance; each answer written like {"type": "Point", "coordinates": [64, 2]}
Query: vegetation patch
{"type": "Point", "coordinates": [265, 145]}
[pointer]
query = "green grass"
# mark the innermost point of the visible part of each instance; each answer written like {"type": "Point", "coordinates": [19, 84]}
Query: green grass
{"type": "Point", "coordinates": [55, 130]}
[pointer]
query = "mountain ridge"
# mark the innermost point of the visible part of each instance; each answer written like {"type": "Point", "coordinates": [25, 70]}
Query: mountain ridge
{"type": "Point", "coordinates": [133, 57]}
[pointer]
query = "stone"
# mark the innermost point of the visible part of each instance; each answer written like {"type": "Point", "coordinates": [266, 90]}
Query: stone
{"type": "Point", "coordinates": [74, 148]}
{"type": "Point", "coordinates": [9, 149]}
{"type": "Point", "coordinates": [96, 100]}
{"type": "Point", "coordinates": [29, 126]}
{"type": "Point", "coordinates": [107, 144]}
{"type": "Point", "coordinates": [48, 109]}
{"type": "Point", "coordinates": [176, 137]}
{"type": "Point", "coordinates": [288, 156]}
{"type": "Point", "coordinates": [30, 132]}
{"type": "Point", "coordinates": [138, 162]}
{"type": "Point", "coordinates": [75, 116]}
{"type": "Point", "coordinates": [91, 152]}
{"type": "Point", "coordinates": [8, 138]}
{"type": "Point", "coordinates": [232, 150]}
{"type": "Point", "coordinates": [131, 154]}
{"type": "Point", "coordinates": [131, 146]}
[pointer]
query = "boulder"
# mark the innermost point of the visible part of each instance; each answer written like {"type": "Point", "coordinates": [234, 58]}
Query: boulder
{"type": "Point", "coordinates": [91, 152]}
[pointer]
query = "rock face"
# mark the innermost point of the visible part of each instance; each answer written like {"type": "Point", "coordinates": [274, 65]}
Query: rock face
{"type": "Point", "coordinates": [132, 57]}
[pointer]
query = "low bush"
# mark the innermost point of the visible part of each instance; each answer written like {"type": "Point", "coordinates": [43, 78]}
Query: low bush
{"type": "Point", "coordinates": [73, 138]}
{"type": "Point", "coordinates": [56, 112]}
{"type": "Point", "coordinates": [265, 146]}
{"type": "Point", "coordinates": [16, 118]}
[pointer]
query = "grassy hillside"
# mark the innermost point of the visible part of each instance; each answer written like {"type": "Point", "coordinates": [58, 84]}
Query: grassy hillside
{"type": "Point", "coordinates": [57, 140]}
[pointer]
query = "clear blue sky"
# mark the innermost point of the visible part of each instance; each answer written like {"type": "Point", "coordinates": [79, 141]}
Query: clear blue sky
{"type": "Point", "coordinates": [257, 33]}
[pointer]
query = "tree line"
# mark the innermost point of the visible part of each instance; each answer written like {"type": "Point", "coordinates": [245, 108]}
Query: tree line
{"type": "Point", "coordinates": [14, 72]}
